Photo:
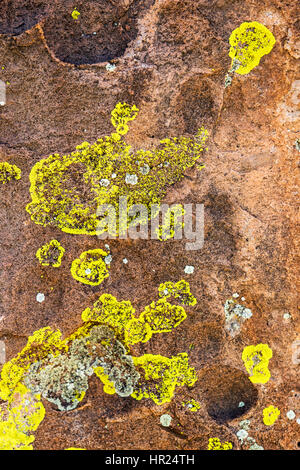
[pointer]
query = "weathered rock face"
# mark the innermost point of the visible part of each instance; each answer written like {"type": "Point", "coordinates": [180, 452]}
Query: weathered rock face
{"type": "Point", "coordinates": [169, 58]}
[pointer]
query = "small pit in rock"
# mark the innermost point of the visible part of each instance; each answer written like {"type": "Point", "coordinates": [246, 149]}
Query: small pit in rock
{"type": "Point", "coordinates": [224, 389]}
{"type": "Point", "coordinates": [101, 32]}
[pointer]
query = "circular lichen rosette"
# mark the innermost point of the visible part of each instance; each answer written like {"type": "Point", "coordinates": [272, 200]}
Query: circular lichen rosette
{"type": "Point", "coordinates": [90, 268]}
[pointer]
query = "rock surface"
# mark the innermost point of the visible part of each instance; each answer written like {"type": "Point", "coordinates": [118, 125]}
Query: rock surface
{"type": "Point", "coordinates": [170, 58]}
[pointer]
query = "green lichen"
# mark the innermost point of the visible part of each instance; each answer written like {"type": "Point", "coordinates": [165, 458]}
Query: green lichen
{"type": "Point", "coordinates": [235, 315]}
{"type": "Point", "coordinates": [9, 172]}
{"type": "Point", "coordinates": [67, 190]}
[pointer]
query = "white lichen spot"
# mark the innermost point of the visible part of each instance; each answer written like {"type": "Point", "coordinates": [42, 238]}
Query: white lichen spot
{"type": "Point", "coordinates": [125, 260]}
{"type": "Point", "coordinates": [110, 67]}
{"type": "Point", "coordinates": [235, 316]}
{"type": "Point", "coordinates": [145, 169]}
{"type": "Point", "coordinates": [235, 295]}
{"type": "Point", "coordinates": [104, 182]}
{"type": "Point", "coordinates": [189, 269]}
{"type": "Point", "coordinates": [286, 316]}
{"type": "Point", "coordinates": [242, 434]}
{"type": "Point", "coordinates": [40, 297]}
{"type": "Point", "coordinates": [165, 420]}
{"type": "Point", "coordinates": [244, 424]}
{"type": "Point", "coordinates": [241, 404]}
{"type": "Point", "coordinates": [88, 271]}
{"type": "Point", "coordinates": [131, 179]}
{"type": "Point", "coordinates": [108, 259]}
{"type": "Point", "coordinates": [255, 446]}
{"type": "Point", "coordinates": [291, 414]}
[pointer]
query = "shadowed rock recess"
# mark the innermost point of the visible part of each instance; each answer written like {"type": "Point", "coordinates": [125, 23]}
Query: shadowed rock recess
{"type": "Point", "coordinates": [133, 343]}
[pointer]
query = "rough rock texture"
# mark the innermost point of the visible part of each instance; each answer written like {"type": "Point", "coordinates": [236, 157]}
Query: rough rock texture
{"type": "Point", "coordinates": [171, 58]}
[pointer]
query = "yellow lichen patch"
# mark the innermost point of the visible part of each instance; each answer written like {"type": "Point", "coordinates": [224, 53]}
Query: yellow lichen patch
{"type": "Point", "coordinates": [90, 268]}
{"type": "Point", "coordinates": [22, 415]}
{"type": "Point", "coordinates": [9, 172]}
{"type": "Point", "coordinates": [12, 439]}
{"type": "Point", "coordinates": [162, 316]}
{"type": "Point", "coordinates": [270, 415]}
{"type": "Point", "coordinates": [42, 343]}
{"type": "Point", "coordinates": [172, 223]}
{"type": "Point", "coordinates": [161, 376]}
{"type": "Point", "coordinates": [179, 290]}
{"type": "Point", "coordinates": [137, 331]}
{"type": "Point", "coordinates": [192, 405]}
{"type": "Point", "coordinates": [249, 42]}
{"type": "Point", "coordinates": [121, 115]}
{"type": "Point", "coordinates": [256, 360]}
{"type": "Point", "coordinates": [108, 386]}
{"type": "Point", "coordinates": [58, 370]}
{"type": "Point", "coordinates": [75, 14]}
{"type": "Point", "coordinates": [108, 310]}
{"type": "Point", "coordinates": [214, 443]}
{"type": "Point", "coordinates": [158, 317]}
{"type": "Point", "coordinates": [79, 192]}
{"type": "Point", "coordinates": [75, 448]}
{"type": "Point", "coordinates": [50, 254]}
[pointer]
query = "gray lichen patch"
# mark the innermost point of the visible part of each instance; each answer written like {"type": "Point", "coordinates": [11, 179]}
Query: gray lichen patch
{"type": "Point", "coordinates": [235, 316]}
{"type": "Point", "coordinates": [229, 76]}
{"type": "Point", "coordinates": [63, 380]}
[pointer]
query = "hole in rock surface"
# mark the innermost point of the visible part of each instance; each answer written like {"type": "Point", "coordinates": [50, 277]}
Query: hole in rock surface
{"type": "Point", "coordinates": [228, 392]}
{"type": "Point", "coordinates": [101, 33]}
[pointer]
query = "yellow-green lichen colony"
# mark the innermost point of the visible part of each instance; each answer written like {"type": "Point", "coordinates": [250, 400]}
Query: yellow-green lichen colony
{"type": "Point", "coordinates": [270, 415]}
{"type": "Point", "coordinates": [248, 44]}
{"type": "Point", "coordinates": [51, 254]}
{"type": "Point", "coordinates": [90, 268]}
{"type": "Point", "coordinates": [214, 443]}
{"type": "Point", "coordinates": [58, 370]}
{"type": "Point", "coordinates": [9, 172]}
{"type": "Point", "coordinates": [256, 360]}
{"type": "Point", "coordinates": [67, 190]}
